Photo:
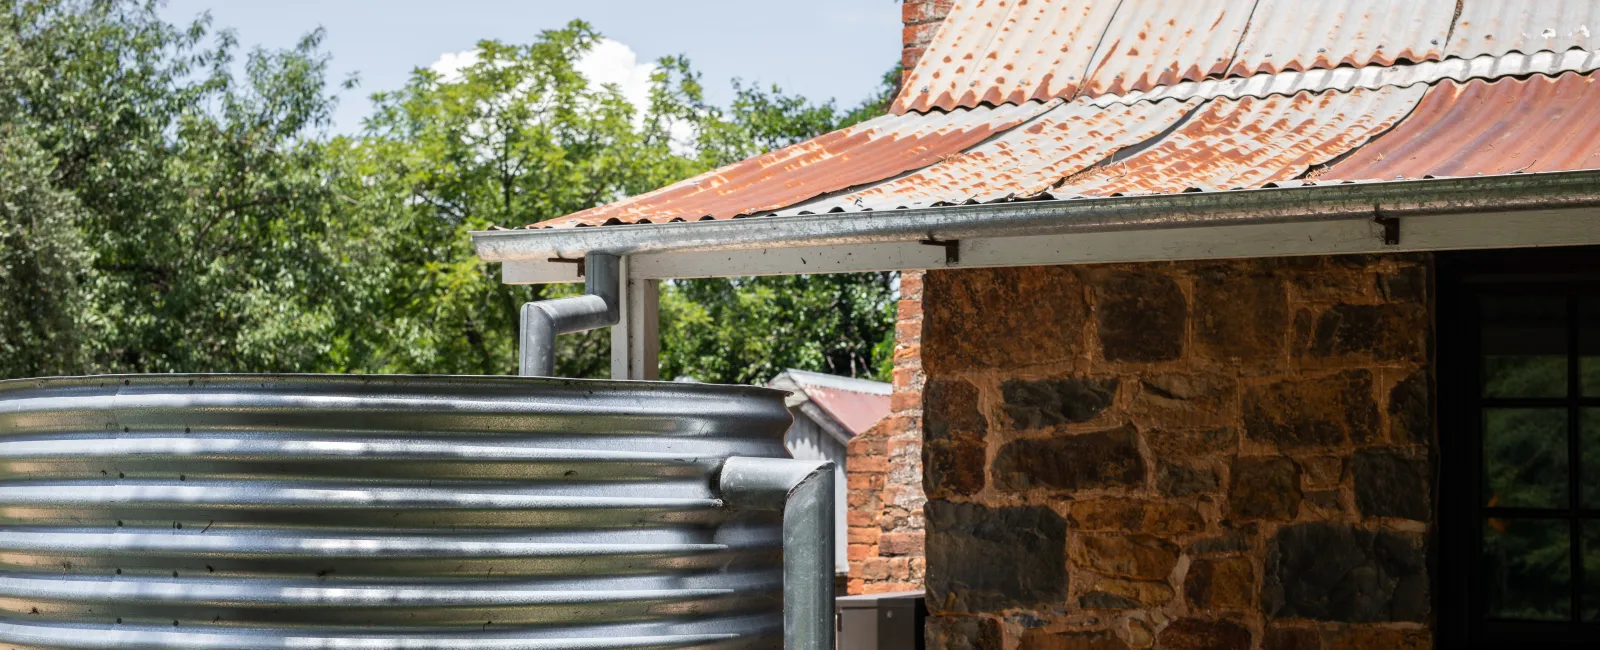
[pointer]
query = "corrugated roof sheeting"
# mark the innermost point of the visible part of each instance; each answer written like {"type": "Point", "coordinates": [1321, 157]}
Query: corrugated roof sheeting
{"type": "Point", "coordinates": [1500, 26]}
{"type": "Point", "coordinates": [1024, 162]}
{"type": "Point", "coordinates": [868, 152]}
{"type": "Point", "coordinates": [1250, 142]}
{"type": "Point", "coordinates": [1152, 43]}
{"type": "Point", "coordinates": [858, 404]}
{"type": "Point", "coordinates": [1006, 51]}
{"type": "Point", "coordinates": [1320, 34]}
{"type": "Point", "coordinates": [1508, 126]}
{"type": "Point", "coordinates": [994, 51]}
{"type": "Point", "coordinates": [1319, 93]}
{"type": "Point", "coordinates": [1289, 83]}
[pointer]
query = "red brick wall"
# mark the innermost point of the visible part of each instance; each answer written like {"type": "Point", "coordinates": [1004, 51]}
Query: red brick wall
{"type": "Point", "coordinates": [885, 470]}
{"type": "Point", "coordinates": [885, 464]}
{"type": "Point", "coordinates": [921, 18]}
{"type": "Point", "coordinates": [1224, 455]}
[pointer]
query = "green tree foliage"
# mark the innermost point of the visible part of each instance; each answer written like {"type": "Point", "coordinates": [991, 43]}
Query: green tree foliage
{"type": "Point", "coordinates": [197, 195]}
{"type": "Point", "coordinates": [171, 203]}
{"type": "Point", "coordinates": [518, 137]}
{"type": "Point", "coordinates": [40, 257]}
{"type": "Point", "coordinates": [746, 330]}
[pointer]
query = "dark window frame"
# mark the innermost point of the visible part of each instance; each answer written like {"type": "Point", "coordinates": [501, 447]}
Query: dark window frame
{"type": "Point", "coordinates": [1459, 598]}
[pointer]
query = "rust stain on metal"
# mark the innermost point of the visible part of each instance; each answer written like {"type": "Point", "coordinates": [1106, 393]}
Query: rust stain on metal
{"type": "Point", "coordinates": [1024, 162]}
{"type": "Point", "coordinates": [1346, 78]}
{"type": "Point", "coordinates": [1498, 27]}
{"type": "Point", "coordinates": [1303, 35]}
{"type": "Point", "coordinates": [1006, 51]}
{"type": "Point", "coordinates": [1251, 142]}
{"type": "Point", "coordinates": [1260, 91]}
{"type": "Point", "coordinates": [1011, 51]}
{"type": "Point", "coordinates": [865, 153]}
{"type": "Point", "coordinates": [1153, 43]}
{"type": "Point", "coordinates": [1480, 128]}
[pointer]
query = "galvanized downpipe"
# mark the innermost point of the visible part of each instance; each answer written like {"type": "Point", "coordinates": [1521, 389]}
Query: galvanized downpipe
{"type": "Point", "coordinates": [803, 491]}
{"type": "Point", "coordinates": [542, 321]}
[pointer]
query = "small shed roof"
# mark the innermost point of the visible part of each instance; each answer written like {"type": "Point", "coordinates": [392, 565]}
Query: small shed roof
{"type": "Point", "coordinates": [854, 405]}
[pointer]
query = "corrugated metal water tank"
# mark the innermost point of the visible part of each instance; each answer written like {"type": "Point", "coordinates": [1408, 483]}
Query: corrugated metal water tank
{"type": "Point", "coordinates": [232, 511]}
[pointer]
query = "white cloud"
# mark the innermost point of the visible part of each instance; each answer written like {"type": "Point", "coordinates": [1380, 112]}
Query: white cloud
{"type": "Point", "coordinates": [450, 64]}
{"type": "Point", "coordinates": [610, 62]}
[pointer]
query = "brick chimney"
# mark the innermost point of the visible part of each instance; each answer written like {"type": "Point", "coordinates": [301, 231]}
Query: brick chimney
{"type": "Point", "coordinates": [921, 18]}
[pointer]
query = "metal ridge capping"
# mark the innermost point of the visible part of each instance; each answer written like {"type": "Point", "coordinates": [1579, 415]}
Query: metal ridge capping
{"type": "Point", "coordinates": [276, 511]}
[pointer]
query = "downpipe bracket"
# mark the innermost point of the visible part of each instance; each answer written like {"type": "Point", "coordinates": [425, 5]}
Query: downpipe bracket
{"type": "Point", "coordinates": [803, 491]}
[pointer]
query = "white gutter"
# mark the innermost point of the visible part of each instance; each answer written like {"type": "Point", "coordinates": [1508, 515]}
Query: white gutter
{"type": "Point", "coordinates": [1307, 203]}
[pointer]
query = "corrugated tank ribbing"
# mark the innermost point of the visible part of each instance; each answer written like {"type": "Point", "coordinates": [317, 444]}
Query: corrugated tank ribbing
{"type": "Point", "coordinates": [424, 512]}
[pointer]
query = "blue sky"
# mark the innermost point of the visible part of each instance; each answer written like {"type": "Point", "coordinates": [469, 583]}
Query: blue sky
{"type": "Point", "coordinates": [820, 48]}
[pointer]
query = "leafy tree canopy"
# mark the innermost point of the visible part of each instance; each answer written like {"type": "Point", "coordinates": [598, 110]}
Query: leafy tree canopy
{"type": "Point", "coordinates": [170, 202]}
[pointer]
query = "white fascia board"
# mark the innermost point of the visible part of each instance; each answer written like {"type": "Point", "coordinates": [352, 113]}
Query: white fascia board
{"type": "Point", "coordinates": [1477, 230]}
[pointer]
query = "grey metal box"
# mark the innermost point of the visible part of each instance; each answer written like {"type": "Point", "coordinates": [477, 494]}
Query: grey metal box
{"type": "Point", "coordinates": [892, 621]}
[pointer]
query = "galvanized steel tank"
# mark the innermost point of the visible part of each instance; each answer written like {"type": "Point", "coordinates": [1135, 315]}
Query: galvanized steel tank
{"type": "Point", "coordinates": [238, 511]}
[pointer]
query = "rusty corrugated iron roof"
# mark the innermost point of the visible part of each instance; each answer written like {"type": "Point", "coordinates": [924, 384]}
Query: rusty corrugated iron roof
{"type": "Point", "coordinates": [1249, 142]}
{"type": "Point", "coordinates": [994, 51]}
{"type": "Point", "coordinates": [1508, 126]}
{"type": "Point", "coordinates": [1359, 120]}
{"type": "Point", "coordinates": [1024, 162]}
{"type": "Point", "coordinates": [1007, 51]}
{"type": "Point", "coordinates": [1321, 34]}
{"type": "Point", "coordinates": [855, 404]}
{"type": "Point", "coordinates": [1289, 83]}
{"type": "Point", "coordinates": [1152, 43]}
{"type": "Point", "coordinates": [1498, 27]}
{"type": "Point", "coordinates": [868, 152]}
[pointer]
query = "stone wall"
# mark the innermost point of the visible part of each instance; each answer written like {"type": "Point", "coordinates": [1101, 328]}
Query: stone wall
{"type": "Point", "coordinates": [1222, 455]}
{"type": "Point", "coordinates": [885, 470]}
{"type": "Point", "coordinates": [921, 19]}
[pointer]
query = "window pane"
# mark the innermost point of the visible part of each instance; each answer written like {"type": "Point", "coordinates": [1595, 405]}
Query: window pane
{"type": "Point", "coordinates": [1591, 570]}
{"type": "Point", "coordinates": [1526, 569]}
{"type": "Point", "coordinates": [1589, 433]}
{"type": "Point", "coordinates": [1525, 458]}
{"type": "Point", "coordinates": [1589, 345]}
{"type": "Point", "coordinates": [1524, 346]}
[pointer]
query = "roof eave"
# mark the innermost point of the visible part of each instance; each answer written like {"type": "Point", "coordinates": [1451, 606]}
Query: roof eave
{"type": "Point", "coordinates": [1515, 192]}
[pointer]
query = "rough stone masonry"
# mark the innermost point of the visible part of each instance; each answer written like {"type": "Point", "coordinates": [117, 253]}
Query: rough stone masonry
{"type": "Point", "coordinates": [1221, 455]}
